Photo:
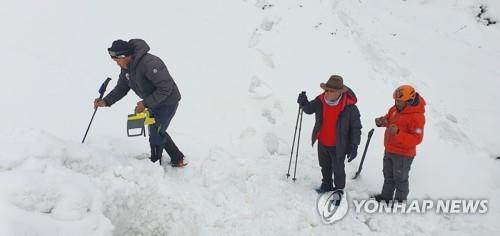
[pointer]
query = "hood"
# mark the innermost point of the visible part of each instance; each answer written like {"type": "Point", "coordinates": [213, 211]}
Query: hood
{"type": "Point", "coordinates": [140, 48]}
{"type": "Point", "coordinates": [350, 96]}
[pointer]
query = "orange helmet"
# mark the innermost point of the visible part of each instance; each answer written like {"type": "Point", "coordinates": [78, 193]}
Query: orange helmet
{"type": "Point", "coordinates": [404, 93]}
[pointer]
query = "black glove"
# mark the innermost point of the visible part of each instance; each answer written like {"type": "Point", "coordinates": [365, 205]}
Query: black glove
{"type": "Point", "coordinates": [352, 152]}
{"type": "Point", "coordinates": [302, 99]}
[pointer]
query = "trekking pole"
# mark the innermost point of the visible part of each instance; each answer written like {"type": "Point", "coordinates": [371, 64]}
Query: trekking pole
{"type": "Point", "coordinates": [298, 142]}
{"type": "Point", "coordinates": [364, 153]}
{"type": "Point", "coordinates": [293, 143]}
{"type": "Point", "coordinates": [101, 92]}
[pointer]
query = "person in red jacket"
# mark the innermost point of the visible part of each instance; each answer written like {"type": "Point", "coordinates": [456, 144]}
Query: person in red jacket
{"type": "Point", "coordinates": [404, 131]}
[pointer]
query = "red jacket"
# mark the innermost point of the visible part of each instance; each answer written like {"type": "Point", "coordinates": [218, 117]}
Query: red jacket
{"type": "Point", "coordinates": [410, 121]}
{"type": "Point", "coordinates": [327, 135]}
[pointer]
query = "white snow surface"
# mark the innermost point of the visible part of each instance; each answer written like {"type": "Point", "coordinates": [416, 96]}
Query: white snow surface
{"type": "Point", "coordinates": [240, 65]}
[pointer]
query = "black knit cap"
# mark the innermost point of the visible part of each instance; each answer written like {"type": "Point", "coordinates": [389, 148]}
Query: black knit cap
{"type": "Point", "coordinates": [120, 48]}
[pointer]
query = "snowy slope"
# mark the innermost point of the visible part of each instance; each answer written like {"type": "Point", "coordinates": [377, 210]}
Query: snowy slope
{"type": "Point", "coordinates": [240, 65]}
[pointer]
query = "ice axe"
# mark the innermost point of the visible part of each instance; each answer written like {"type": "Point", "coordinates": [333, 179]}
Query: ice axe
{"type": "Point", "coordinates": [364, 154]}
{"type": "Point", "coordinates": [101, 94]}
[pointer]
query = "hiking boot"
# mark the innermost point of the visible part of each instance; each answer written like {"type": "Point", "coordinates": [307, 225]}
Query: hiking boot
{"type": "Point", "coordinates": [379, 198]}
{"type": "Point", "coordinates": [325, 188]}
{"type": "Point", "coordinates": [181, 163]}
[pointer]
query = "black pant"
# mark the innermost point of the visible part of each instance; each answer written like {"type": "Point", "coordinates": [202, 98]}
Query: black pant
{"type": "Point", "coordinates": [159, 139]}
{"type": "Point", "coordinates": [396, 173]}
{"type": "Point", "coordinates": [330, 162]}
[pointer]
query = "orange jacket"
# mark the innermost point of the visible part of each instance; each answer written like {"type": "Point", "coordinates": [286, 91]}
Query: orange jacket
{"type": "Point", "coordinates": [410, 121]}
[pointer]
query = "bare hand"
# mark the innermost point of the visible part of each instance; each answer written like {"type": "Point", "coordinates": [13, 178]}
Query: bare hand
{"type": "Point", "coordinates": [393, 129]}
{"type": "Point", "coordinates": [99, 103]}
{"type": "Point", "coordinates": [381, 122]}
{"type": "Point", "coordinates": [140, 107]}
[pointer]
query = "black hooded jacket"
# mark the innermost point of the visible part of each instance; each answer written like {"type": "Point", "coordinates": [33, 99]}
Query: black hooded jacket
{"type": "Point", "coordinates": [148, 77]}
{"type": "Point", "coordinates": [348, 124]}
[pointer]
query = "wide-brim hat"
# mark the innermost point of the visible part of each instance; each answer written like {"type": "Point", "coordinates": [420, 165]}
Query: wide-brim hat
{"type": "Point", "coordinates": [335, 83]}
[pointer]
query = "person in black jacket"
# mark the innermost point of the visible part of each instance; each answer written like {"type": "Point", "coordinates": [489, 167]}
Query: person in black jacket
{"type": "Point", "coordinates": [337, 130]}
{"type": "Point", "coordinates": [148, 77]}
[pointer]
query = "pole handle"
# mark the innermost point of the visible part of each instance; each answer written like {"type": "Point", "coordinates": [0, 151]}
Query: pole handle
{"type": "Point", "coordinates": [102, 89]}
{"type": "Point", "coordinates": [370, 133]}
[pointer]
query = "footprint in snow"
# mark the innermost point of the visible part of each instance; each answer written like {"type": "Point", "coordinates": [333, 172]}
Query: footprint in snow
{"type": "Point", "coordinates": [267, 24]}
{"type": "Point", "coordinates": [259, 89]}
{"type": "Point", "coordinates": [272, 143]}
{"type": "Point", "coordinates": [254, 39]}
{"type": "Point", "coordinates": [267, 59]}
{"type": "Point", "coordinates": [451, 118]}
{"type": "Point", "coordinates": [268, 114]}
{"type": "Point", "coordinates": [276, 145]}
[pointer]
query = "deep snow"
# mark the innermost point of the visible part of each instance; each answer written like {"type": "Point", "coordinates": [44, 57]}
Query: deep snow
{"type": "Point", "coordinates": [239, 66]}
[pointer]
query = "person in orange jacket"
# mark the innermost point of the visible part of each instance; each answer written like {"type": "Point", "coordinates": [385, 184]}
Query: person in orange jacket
{"type": "Point", "coordinates": [404, 131]}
